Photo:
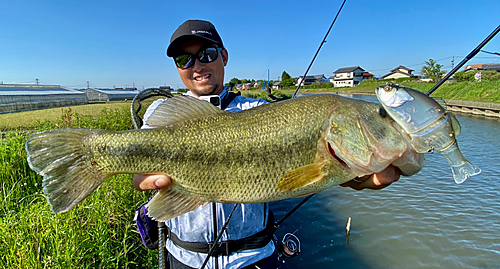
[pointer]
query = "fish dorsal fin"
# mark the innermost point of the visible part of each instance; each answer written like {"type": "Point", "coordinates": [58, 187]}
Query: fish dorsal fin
{"type": "Point", "coordinates": [177, 110]}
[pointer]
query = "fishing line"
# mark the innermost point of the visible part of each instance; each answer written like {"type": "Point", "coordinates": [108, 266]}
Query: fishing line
{"type": "Point", "coordinates": [219, 236]}
{"type": "Point", "coordinates": [466, 59]}
{"type": "Point", "coordinates": [320, 45]}
{"type": "Point", "coordinates": [212, 249]}
{"type": "Point", "coordinates": [311, 218]}
{"type": "Point", "coordinates": [494, 53]}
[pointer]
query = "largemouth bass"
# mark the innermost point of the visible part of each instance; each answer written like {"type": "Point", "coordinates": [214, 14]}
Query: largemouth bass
{"type": "Point", "coordinates": [273, 152]}
{"type": "Point", "coordinates": [428, 126]}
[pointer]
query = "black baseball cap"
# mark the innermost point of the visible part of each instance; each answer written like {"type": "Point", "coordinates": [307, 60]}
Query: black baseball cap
{"type": "Point", "coordinates": [193, 29]}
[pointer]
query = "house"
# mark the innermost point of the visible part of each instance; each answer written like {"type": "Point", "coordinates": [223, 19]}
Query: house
{"type": "Point", "coordinates": [495, 67]}
{"type": "Point", "coordinates": [347, 76]}
{"type": "Point", "coordinates": [318, 79]}
{"type": "Point", "coordinates": [399, 72]}
{"type": "Point", "coordinates": [277, 85]}
{"type": "Point", "coordinates": [367, 75]}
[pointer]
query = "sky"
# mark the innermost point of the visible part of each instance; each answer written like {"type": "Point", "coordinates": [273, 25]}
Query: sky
{"type": "Point", "coordinates": [122, 43]}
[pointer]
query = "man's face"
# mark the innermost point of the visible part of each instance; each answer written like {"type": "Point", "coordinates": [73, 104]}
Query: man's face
{"type": "Point", "coordinates": [203, 78]}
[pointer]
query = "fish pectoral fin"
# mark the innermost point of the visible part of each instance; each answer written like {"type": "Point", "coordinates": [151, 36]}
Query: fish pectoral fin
{"type": "Point", "coordinates": [169, 203]}
{"type": "Point", "coordinates": [302, 176]}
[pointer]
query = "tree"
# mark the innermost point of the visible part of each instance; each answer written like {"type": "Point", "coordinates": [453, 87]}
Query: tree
{"type": "Point", "coordinates": [286, 80]}
{"type": "Point", "coordinates": [432, 70]}
{"type": "Point", "coordinates": [235, 81]}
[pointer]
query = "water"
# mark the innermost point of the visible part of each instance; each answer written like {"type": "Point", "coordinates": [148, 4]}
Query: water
{"type": "Point", "coordinates": [422, 221]}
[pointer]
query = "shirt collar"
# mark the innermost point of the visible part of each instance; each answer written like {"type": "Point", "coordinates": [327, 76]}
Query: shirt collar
{"type": "Point", "coordinates": [222, 94]}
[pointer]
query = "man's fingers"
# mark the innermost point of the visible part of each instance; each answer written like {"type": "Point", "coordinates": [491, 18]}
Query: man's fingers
{"type": "Point", "coordinates": [376, 181]}
{"type": "Point", "coordinates": [150, 182]}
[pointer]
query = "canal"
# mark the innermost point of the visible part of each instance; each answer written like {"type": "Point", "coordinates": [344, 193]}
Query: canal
{"type": "Point", "coordinates": [422, 221]}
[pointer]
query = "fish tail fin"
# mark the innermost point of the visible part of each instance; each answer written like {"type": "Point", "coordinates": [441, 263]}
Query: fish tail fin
{"type": "Point", "coordinates": [461, 168]}
{"type": "Point", "coordinates": [60, 157]}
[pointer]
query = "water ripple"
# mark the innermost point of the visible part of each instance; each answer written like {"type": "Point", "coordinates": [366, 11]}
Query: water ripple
{"type": "Point", "coordinates": [423, 221]}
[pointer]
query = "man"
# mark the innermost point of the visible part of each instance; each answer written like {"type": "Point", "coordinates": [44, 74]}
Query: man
{"type": "Point", "coordinates": [200, 57]}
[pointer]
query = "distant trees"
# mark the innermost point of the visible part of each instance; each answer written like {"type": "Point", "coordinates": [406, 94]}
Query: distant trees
{"type": "Point", "coordinates": [286, 80]}
{"type": "Point", "coordinates": [432, 70]}
{"type": "Point", "coordinates": [236, 81]}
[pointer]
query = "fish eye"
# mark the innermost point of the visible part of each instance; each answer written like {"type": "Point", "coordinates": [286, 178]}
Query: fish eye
{"type": "Point", "coordinates": [387, 88]}
{"type": "Point", "coordinates": [382, 112]}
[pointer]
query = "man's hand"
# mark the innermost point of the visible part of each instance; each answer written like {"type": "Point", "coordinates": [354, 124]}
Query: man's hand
{"type": "Point", "coordinates": [376, 181]}
{"type": "Point", "coordinates": [151, 182]}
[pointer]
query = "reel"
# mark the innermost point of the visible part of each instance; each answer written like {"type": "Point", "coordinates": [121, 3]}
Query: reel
{"type": "Point", "coordinates": [290, 246]}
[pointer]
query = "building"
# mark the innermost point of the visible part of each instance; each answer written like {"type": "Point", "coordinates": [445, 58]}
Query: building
{"type": "Point", "coordinates": [105, 95]}
{"type": "Point", "coordinates": [367, 75]}
{"type": "Point", "coordinates": [348, 76]}
{"type": "Point", "coordinates": [495, 67]}
{"type": "Point", "coordinates": [399, 72]}
{"type": "Point", "coordinates": [317, 79]}
{"type": "Point", "coordinates": [18, 97]}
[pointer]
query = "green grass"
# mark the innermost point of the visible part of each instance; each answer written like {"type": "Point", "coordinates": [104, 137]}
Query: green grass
{"type": "Point", "coordinates": [32, 119]}
{"type": "Point", "coordinates": [98, 233]}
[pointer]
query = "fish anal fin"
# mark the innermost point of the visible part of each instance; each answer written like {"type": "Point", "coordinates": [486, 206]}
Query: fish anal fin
{"type": "Point", "coordinates": [302, 176]}
{"type": "Point", "coordinates": [169, 203]}
{"type": "Point", "coordinates": [177, 110]}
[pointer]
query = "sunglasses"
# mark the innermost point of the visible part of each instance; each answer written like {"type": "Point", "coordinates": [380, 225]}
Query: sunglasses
{"type": "Point", "coordinates": [205, 55]}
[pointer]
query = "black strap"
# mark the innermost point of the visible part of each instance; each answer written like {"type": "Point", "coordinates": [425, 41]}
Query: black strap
{"type": "Point", "coordinates": [225, 248]}
{"type": "Point", "coordinates": [229, 98]}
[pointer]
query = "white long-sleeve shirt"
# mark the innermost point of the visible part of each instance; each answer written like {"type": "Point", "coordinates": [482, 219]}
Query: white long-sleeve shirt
{"type": "Point", "coordinates": [197, 225]}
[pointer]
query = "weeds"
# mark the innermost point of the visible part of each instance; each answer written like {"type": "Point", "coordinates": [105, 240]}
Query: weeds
{"type": "Point", "coordinates": [98, 233]}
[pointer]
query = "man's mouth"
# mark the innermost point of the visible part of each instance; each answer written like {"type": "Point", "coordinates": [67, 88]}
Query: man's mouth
{"type": "Point", "coordinates": [200, 78]}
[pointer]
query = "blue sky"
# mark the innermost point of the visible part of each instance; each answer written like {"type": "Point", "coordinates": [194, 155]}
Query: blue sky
{"type": "Point", "coordinates": [122, 43]}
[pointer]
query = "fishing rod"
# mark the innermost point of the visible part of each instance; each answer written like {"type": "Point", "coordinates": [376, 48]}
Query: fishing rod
{"type": "Point", "coordinates": [310, 196]}
{"type": "Point", "coordinates": [466, 59]}
{"type": "Point", "coordinates": [219, 236]}
{"type": "Point", "coordinates": [317, 52]}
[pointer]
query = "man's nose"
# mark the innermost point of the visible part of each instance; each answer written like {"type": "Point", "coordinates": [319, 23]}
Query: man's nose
{"type": "Point", "coordinates": [197, 65]}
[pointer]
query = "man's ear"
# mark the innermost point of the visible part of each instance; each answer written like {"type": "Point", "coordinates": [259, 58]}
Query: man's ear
{"type": "Point", "coordinates": [225, 56]}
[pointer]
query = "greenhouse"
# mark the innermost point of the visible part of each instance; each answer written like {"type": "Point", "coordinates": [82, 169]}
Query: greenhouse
{"type": "Point", "coordinates": [104, 95]}
{"type": "Point", "coordinates": [17, 97]}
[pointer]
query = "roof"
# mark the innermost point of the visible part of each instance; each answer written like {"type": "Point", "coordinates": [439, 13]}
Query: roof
{"type": "Point", "coordinates": [367, 74]}
{"type": "Point", "coordinates": [19, 89]}
{"type": "Point", "coordinates": [396, 71]}
{"type": "Point", "coordinates": [314, 77]}
{"type": "Point", "coordinates": [112, 91]}
{"type": "Point", "coordinates": [401, 67]}
{"type": "Point", "coordinates": [348, 69]}
{"type": "Point", "coordinates": [483, 66]}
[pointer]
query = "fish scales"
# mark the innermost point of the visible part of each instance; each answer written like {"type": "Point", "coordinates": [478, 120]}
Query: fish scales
{"type": "Point", "coordinates": [272, 152]}
{"type": "Point", "coordinates": [213, 148]}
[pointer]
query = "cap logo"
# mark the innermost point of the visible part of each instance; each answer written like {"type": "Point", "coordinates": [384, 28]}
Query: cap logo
{"type": "Point", "coordinates": [194, 32]}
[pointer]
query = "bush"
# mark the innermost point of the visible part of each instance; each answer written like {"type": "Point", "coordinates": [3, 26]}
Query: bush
{"type": "Point", "coordinates": [469, 75]}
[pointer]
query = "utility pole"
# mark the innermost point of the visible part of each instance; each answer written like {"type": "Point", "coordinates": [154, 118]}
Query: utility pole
{"type": "Point", "coordinates": [87, 84]}
{"type": "Point", "coordinates": [453, 62]}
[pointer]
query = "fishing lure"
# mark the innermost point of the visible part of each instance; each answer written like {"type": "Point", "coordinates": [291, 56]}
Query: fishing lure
{"type": "Point", "coordinates": [428, 126]}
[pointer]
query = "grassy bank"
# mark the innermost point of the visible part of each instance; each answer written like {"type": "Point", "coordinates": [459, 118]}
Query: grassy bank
{"type": "Point", "coordinates": [98, 233]}
{"type": "Point", "coordinates": [33, 119]}
{"type": "Point", "coordinates": [485, 91]}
